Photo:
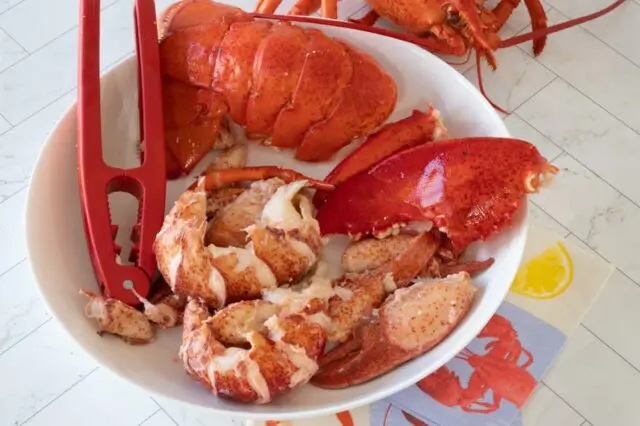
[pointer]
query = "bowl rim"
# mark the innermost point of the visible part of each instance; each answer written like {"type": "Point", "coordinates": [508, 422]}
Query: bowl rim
{"type": "Point", "coordinates": [473, 328]}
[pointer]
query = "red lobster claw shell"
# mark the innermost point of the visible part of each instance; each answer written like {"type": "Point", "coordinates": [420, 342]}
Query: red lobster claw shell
{"type": "Point", "coordinates": [469, 188]}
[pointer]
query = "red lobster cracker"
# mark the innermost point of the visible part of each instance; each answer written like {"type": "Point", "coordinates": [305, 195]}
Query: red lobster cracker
{"type": "Point", "coordinates": [97, 180]}
{"type": "Point", "coordinates": [469, 188]}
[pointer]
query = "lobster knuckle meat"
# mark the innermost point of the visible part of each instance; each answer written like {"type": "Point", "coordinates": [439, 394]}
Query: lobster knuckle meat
{"type": "Point", "coordinates": [409, 323]}
{"type": "Point", "coordinates": [370, 288]}
{"type": "Point", "coordinates": [231, 325]}
{"type": "Point", "coordinates": [468, 188]}
{"type": "Point", "coordinates": [228, 226]}
{"type": "Point", "coordinates": [370, 253]}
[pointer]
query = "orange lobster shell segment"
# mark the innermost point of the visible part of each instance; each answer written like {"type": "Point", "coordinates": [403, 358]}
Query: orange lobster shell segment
{"type": "Point", "coordinates": [190, 13]}
{"type": "Point", "coordinates": [277, 67]}
{"type": "Point", "coordinates": [233, 72]}
{"type": "Point", "coordinates": [367, 100]}
{"type": "Point", "coordinates": [326, 72]}
{"type": "Point", "coordinates": [193, 119]}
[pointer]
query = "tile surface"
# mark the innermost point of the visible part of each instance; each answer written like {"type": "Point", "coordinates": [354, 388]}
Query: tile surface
{"type": "Point", "coordinates": [578, 102]}
{"type": "Point", "coordinates": [10, 51]}
{"type": "Point", "coordinates": [546, 408]}
{"type": "Point", "coordinates": [575, 380]}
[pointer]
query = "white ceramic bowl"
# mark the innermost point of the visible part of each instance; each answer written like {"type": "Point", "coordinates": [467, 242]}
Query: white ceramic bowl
{"type": "Point", "coordinates": [60, 261]}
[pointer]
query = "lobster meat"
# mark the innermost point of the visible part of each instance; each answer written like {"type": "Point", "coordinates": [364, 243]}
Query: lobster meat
{"type": "Point", "coordinates": [291, 87]}
{"type": "Point", "coordinates": [283, 237]}
{"type": "Point", "coordinates": [411, 321]}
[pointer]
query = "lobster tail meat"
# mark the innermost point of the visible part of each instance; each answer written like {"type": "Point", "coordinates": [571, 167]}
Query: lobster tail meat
{"type": "Point", "coordinates": [279, 60]}
{"type": "Point", "coordinates": [291, 87]}
{"type": "Point", "coordinates": [195, 115]}
{"type": "Point", "coordinates": [469, 188]}
{"type": "Point", "coordinates": [409, 323]}
{"type": "Point", "coordinates": [368, 100]}
{"type": "Point", "coordinates": [234, 65]}
{"type": "Point", "coordinates": [326, 71]}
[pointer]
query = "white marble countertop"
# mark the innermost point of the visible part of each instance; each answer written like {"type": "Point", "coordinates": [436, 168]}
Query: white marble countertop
{"type": "Point", "coordinates": [579, 102]}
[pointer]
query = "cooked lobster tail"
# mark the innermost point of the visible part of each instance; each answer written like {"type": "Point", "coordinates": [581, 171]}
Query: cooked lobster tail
{"type": "Point", "coordinates": [291, 87]}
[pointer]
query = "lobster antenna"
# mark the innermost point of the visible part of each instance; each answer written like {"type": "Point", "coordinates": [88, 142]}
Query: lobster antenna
{"type": "Point", "coordinates": [481, 86]}
{"type": "Point", "coordinates": [513, 41]}
{"type": "Point", "coordinates": [429, 44]}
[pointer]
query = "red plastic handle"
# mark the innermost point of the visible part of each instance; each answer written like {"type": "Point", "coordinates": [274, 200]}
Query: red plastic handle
{"type": "Point", "coordinates": [97, 179]}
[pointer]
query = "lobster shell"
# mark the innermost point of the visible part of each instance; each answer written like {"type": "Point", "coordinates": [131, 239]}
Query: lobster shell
{"type": "Point", "coordinates": [290, 86]}
{"type": "Point", "coordinates": [469, 188]}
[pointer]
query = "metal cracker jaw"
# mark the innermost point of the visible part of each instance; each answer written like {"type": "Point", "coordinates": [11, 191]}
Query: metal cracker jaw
{"type": "Point", "coordinates": [97, 179]}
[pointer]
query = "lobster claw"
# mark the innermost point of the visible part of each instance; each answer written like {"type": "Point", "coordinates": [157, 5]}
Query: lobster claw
{"type": "Point", "coordinates": [409, 323]}
{"type": "Point", "coordinates": [468, 188]}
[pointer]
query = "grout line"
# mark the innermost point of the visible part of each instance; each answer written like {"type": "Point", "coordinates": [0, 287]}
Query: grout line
{"type": "Point", "coordinates": [60, 395]}
{"type": "Point", "coordinates": [586, 423]}
{"type": "Point", "coordinates": [583, 26]}
{"type": "Point", "coordinates": [11, 7]}
{"type": "Point", "coordinates": [44, 107]}
{"type": "Point", "coordinates": [6, 271]}
{"type": "Point", "coordinates": [38, 49]}
{"type": "Point", "coordinates": [365, 5]}
{"type": "Point", "coordinates": [24, 337]}
{"type": "Point", "coordinates": [580, 91]}
{"type": "Point", "coordinates": [513, 110]}
{"type": "Point", "coordinates": [587, 167]}
{"type": "Point", "coordinates": [151, 415]}
{"type": "Point", "coordinates": [568, 231]}
{"type": "Point", "coordinates": [2, 200]}
{"type": "Point", "coordinates": [564, 400]}
{"type": "Point", "coordinates": [10, 124]}
{"type": "Point", "coordinates": [106, 68]}
{"type": "Point", "coordinates": [67, 31]}
{"type": "Point", "coordinates": [165, 411]}
{"type": "Point", "coordinates": [515, 113]}
{"type": "Point", "coordinates": [15, 41]}
{"type": "Point", "coordinates": [612, 350]}
{"type": "Point", "coordinates": [603, 257]}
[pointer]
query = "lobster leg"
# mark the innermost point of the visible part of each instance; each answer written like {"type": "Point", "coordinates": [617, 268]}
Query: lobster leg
{"type": "Point", "coordinates": [538, 22]}
{"type": "Point", "coordinates": [529, 359]}
{"type": "Point", "coordinates": [267, 6]}
{"type": "Point", "coordinates": [218, 178]}
{"type": "Point", "coordinates": [503, 11]}
{"type": "Point", "coordinates": [330, 9]}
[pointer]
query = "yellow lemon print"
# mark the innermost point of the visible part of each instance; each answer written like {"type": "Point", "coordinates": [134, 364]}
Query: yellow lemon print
{"type": "Point", "coordinates": [545, 276]}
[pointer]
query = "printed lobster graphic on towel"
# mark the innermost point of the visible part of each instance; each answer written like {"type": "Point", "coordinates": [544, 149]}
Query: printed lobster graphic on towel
{"type": "Point", "coordinates": [499, 370]}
